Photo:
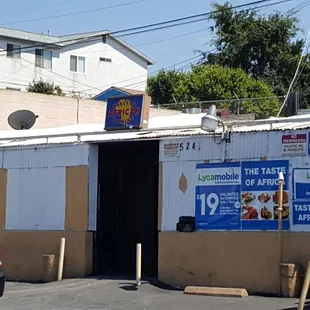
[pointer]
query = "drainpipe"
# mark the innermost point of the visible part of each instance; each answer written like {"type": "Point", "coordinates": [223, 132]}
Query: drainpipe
{"type": "Point", "coordinates": [77, 110]}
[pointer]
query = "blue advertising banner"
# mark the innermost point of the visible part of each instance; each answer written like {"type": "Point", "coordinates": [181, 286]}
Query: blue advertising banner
{"type": "Point", "coordinates": [301, 212]}
{"type": "Point", "coordinates": [218, 197]}
{"type": "Point", "coordinates": [124, 112]}
{"type": "Point", "coordinates": [236, 196]}
{"type": "Point", "coordinates": [301, 192]}
{"type": "Point", "coordinates": [301, 183]}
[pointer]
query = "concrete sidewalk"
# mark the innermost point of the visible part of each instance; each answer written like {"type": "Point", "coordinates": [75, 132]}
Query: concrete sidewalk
{"type": "Point", "coordinates": [103, 294]}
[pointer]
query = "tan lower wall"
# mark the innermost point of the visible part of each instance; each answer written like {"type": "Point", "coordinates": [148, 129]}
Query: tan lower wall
{"type": "Point", "coordinates": [229, 259]}
{"type": "Point", "coordinates": [76, 198]}
{"type": "Point", "coordinates": [3, 188]}
{"type": "Point", "coordinates": [23, 251]}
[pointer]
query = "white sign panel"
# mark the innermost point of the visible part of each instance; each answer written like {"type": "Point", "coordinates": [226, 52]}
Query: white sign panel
{"type": "Point", "coordinates": [171, 149]}
{"type": "Point", "coordinates": [294, 145]}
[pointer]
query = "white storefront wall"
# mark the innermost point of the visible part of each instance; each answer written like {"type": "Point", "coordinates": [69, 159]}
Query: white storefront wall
{"type": "Point", "coordinates": [179, 158]}
{"type": "Point", "coordinates": [36, 184]}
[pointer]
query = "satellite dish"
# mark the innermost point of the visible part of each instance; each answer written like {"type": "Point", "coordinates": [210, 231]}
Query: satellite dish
{"type": "Point", "coordinates": [22, 119]}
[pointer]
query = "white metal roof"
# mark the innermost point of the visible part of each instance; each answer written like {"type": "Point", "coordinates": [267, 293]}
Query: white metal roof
{"type": "Point", "coordinates": [159, 127]}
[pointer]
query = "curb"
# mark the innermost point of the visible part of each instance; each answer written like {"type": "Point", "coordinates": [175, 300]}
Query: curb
{"type": "Point", "coordinates": [216, 291]}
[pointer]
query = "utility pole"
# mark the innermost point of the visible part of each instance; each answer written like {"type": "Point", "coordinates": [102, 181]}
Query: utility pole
{"type": "Point", "coordinates": [238, 103]}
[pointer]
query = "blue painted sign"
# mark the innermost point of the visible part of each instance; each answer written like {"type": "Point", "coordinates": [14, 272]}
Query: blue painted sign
{"type": "Point", "coordinates": [301, 212]}
{"type": "Point", "coordinates": [235, 196]}
{"type": "Point", "coordinates": [218, 197]}
{"type": "Point", "coordinates": [124, 112]}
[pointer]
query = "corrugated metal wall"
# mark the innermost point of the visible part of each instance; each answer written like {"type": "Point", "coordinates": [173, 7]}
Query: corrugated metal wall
{"type": "Point", "coordinates": [61, 155]}
{"type": "Point", "coordinates": [36, 185]}
{"type": "Point", "coordinates": [36, 199]}
{"type": "Point", "coordinates": [180, 167]}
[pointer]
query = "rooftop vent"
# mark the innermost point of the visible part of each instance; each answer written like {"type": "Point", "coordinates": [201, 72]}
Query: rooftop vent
{"type": "Point", "coordinates": [192, 111]}
{"type": "Point", "coordinates": [220, 112]}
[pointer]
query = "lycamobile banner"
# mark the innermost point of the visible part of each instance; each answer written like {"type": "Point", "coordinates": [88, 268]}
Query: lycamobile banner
{"type": "Point", "coordinates": [240, 196]}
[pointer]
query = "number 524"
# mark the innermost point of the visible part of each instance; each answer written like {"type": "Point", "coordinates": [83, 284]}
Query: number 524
{"type": "Point", "coordinates": [187, 146]}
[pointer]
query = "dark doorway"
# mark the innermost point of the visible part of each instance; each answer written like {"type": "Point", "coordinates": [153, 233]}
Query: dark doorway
{"type": "Point", "coordinates": [128, 207]}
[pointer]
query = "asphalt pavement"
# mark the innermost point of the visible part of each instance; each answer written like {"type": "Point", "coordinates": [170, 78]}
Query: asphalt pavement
{"type": "Point", "coordinates": [104, 294]}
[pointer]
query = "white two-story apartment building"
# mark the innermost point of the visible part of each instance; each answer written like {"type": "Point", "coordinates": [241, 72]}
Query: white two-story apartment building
{"type": "Point", "coordinates": [86, 63]}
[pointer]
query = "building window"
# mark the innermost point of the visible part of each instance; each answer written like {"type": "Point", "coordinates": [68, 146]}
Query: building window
{"type": "Point", "coordinates": [105, 59]}
{"type": "Point", "coordinates": [104, 39]}
{"type": "Point", "coordinates": [13, 50]}
{"type": "Point", "coordinates": [77, 64]}
{"type": "Point", "coordinates": [43, 58]}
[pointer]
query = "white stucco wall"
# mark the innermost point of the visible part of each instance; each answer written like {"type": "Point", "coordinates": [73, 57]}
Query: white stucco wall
{"type": "Point", "coordinates": [126, 69]}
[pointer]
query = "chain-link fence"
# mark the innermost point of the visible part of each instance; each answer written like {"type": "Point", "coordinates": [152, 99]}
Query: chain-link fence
{"type": "Point", "coordinates": [303, 101]}
{"type": "Point", "coordinates": [260, 107]}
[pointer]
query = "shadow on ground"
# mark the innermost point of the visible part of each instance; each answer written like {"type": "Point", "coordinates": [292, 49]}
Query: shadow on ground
{"type": "Point", "coordinates": [128, 283]}
{"type": "Point", "coordinates": [307, 307]}
{"type": "Point", "coordinates": [128, 287]}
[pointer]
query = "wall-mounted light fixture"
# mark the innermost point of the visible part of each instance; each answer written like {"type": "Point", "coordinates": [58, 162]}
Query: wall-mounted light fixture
{"type": "Point", "coordinates": [211, 121]}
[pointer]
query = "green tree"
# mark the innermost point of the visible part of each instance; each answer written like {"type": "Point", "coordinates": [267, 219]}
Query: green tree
{"type": "Point", "coordinates": [162, 86]}
{"type": "Point", "coordinates": [214, 82]}
{"type": "Point", "coordinates": [44, 87]}
{"type": "Point", "coordinates": [265, 47]}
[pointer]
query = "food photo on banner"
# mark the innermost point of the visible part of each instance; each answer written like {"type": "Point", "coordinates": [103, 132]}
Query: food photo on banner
{"type": "Point", "coordinates": [241, 196]}
{"type": "Point", "coordinates": [260, 196]}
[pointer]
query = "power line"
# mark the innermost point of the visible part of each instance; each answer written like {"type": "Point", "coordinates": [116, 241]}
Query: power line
{"type": "Point", "coordinates": [152, 42]}
{"type": "Point", "coordinates": [303, 66]}
{"type": "Point", "coordinates": [169, 67]}
{"type": "Point", "coordinates": [295, 75]}
{"type": "Point", "coordinates": [23, 67]}
{"type": "Point", "coordinates": [181, 68]}
{"type": "Point", "coordinates": [50, 45]}
{"type": "Point", "coordinates": [189, 18]}
{"type": "Point", "coordinates": [154, 26]}
{"type": "Point", "coordinates": [62, 76]}
{"type": "Point", "coordinates": [14, 72]}
{"type": "Point", "coordinates": [144, 75]}
{"type": "Point", "coordinates": [161, 23]}
{"type": "Point", "coordinates": [91, 87]}
{"type": "Point", "coordinates": [74, 13]}
{"type": "Point", "coordinates": [138, 84]}
{"type": "Point", "coordinates": [294, 10]}
{"type": "Point", "coordinates": [47, 5]}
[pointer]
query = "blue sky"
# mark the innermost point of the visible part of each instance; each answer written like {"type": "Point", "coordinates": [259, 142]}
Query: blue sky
{"type": "Point", "coordinates": [164, 53]}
